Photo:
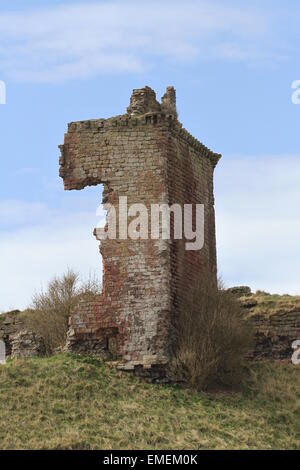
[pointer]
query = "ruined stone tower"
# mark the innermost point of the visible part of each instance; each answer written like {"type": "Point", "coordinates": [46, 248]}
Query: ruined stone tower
{"type": "Point", "coordinates": [147, 156]}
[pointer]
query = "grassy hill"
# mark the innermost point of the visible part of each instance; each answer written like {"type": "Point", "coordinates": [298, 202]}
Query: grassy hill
{"type": "Point", "coordinates": [266, 305]}
{"type": "Point", "coordinates": [72, 402]}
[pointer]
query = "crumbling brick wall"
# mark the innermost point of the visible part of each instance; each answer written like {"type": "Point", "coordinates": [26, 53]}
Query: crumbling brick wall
{"type": "Point", "coordinates": [274, 336]}
{"type": "Point", "coordinates": [27, 344]}
{"type": "Point", "coordinates": [147, 156]}
{"type": "Point", "coordinates": [10, 324]}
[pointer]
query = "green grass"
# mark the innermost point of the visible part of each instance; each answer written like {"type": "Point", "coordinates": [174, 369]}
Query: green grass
{"type": "Point", "coordinates": [72, 402]}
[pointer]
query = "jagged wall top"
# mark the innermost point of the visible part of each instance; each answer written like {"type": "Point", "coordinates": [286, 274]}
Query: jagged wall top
{"type": "Point", "coordinates": [143, 100]}
{"type": "Point", "coordinates": [142, 103]}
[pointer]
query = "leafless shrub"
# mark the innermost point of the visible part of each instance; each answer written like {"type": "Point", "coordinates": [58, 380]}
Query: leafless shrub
{"type": "Point", "coordinates": [51, 309]}
{"type": "Point", "coordinates": [211, 338]}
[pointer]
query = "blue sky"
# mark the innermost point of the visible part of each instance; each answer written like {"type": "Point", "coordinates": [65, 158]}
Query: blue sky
{"type": "Point", "coordinates": [232, 64]}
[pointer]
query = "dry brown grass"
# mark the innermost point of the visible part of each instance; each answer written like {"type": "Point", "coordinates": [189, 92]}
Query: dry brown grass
{"type": "Point", "coordinates": [272, 304]}
{"type": "Point", "coordinates": [212, 338]}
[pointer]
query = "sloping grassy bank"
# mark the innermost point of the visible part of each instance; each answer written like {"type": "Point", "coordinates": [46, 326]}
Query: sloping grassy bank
{"type": "Point", "coordinates": [72, 402]}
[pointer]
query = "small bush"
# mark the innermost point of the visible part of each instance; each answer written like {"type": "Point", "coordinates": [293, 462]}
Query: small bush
{"type": "Point", "coordinates": [50, 310]}
{"type": "Point", "coordinates": [211, 338]}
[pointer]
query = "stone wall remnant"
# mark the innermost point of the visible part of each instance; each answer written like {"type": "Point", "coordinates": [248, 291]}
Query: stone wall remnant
{"type": "Point", "coordinates": [27, 344]}
{"type": "Point", "coordinates": [276, 322]}
{"type": "Point", "coordinates": [274, 336]}
{"type": "Point", "coordinates": [10, 323]}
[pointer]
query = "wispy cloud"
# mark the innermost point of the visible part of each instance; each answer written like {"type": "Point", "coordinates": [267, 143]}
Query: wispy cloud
{"type": "Point", "coordinates": [83, 40]}
{"type": "Point", "coordinates": [41, 243]}
{"type": "Point", "coordinates": [258, 222]}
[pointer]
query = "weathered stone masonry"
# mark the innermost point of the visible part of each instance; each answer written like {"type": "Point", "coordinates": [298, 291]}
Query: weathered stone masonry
{"type": "Point", "coordinates": [147, 156]}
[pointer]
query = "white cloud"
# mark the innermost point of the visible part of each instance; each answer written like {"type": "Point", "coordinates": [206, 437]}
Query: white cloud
{"type": "Point", "coordinates": [16, 213]}
{"type": "Point", "coordinates": [36, 250]}
{"type": "Point", "coordinates": [258, 222]}
{"type": "Point", "coordinates": [83, 40]}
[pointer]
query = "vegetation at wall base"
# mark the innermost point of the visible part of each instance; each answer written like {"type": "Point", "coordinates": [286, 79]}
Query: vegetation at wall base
{"type": "Point", "coordinates": [51, 309]}
{"type": "Point", "coordinates": [212, 338]}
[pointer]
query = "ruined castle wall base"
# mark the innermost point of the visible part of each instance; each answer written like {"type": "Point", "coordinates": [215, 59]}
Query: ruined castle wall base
{"type": "Point", "coordinates": [275, 335]}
